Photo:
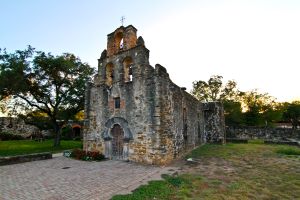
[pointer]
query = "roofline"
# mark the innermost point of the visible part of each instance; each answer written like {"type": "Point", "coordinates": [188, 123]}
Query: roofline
{"type": "Point", "coordinates": [122, 27]}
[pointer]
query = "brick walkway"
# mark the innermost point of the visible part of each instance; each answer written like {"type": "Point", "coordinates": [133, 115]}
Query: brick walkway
{"type": "Point", "coordinates": [64, 178]}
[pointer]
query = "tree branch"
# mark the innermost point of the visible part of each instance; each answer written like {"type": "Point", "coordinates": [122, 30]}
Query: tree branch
{"type": "Point", "coordinates": [34, 105]}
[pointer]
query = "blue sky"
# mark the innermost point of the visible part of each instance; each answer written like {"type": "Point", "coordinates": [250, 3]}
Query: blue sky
{"type": "Point", "coordinates": [256, 43]}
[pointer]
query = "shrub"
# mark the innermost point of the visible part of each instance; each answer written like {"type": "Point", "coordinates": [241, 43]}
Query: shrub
{"type": "Point", "coordinates": [289, 151]}
{"type": "Point", "coordinates": [95, 155]}
{"type": "Point", "coordinates": [173, 180]}
{"type": "Point", "coordinates": [78, 154]}
{"type": "Point", "coordinates": [89, 155]}
{"type": "Point", "coordinates": [78, 138]}
{"type": "Point", "coordinates": [10, 136]}
{"type": "Point", "coordinates": [66, 133]}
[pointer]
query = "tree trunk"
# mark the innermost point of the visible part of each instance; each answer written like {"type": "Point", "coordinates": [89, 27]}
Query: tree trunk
{"type": "Point", "coordinates": [294, 124]}
{"type": "Point", "coordinates": [57, 134]}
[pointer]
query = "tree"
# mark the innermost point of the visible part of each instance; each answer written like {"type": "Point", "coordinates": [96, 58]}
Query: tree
{"type": "Point", "coordinates": [250, 108]}
{"type": "Point", "coordinates": [214, 90]}
{"type": "Point", "coordinates": [44, 82]}
{"type": "Point", "coordinates": [208, 91]}
{"type": "Point", "coordinates": [292, 113]}
{"type": "Point", "coordinates": [233, 113]}
{"type": "Point", "coordinates": [261, 108]}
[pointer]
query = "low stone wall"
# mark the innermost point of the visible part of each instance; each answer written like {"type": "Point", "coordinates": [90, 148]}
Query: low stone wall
{"type": "Point", "coordinates": [293, 143]}
{"type": "Point", "coordinates": [24, 158]}
{"type": "Point", "coordinates": [262, 133]}
{"type": "Point", "coordinates": [18, 127]}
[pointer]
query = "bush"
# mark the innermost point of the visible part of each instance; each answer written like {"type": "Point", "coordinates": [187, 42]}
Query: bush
{"type": "Point", "coordinates": [9, 136]}
{"type": "Point", "coordinates": [77, 154]}
{"type": "Point", "coordinates": [66, 133]}
{"type": "Point", "coordinates": [89, 155]}
{"type": "Point", "coordinates": [289, 151]}
{"type": "Point", "coordinates": [95, 155]}
{"type": "Point", "coordinates": [78, 138]}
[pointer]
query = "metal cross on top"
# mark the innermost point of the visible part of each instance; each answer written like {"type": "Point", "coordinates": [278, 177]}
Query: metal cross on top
{"type": "Point", "coordinates": [122, 20]}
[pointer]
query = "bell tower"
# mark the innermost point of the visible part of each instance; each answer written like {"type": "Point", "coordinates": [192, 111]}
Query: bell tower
{"type": "Point", "coordinates": [124, 57]}
{"type": "Point", "coordinates": [121, 39]}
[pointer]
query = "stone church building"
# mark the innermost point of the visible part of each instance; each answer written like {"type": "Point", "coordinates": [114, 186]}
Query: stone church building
{"type": "Point", "coordinates": [134, 112]}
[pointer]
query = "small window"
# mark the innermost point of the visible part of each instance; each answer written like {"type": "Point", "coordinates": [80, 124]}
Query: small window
{"type": "Point", "coordinates": [121, 44]}
{"type": "Point", "coordinates": [184, 116]}
{"type": "Point", "coordinates": [185, 126]}
{"type": "Point", "coordinates": [130, 73]}
{"type": "Point", "coordinates": [117, 102]}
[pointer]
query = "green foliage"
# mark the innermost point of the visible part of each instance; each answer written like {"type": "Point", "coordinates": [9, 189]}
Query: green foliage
{"type": "Point", "coordinates": [66, 133]}
{"type": "Point", "coordinates": [256, 141]}
{"type": "Point", "coordinates": [260, 108]}
{"type": "Point", "coordinates": [292, 113]}
{"type": "Point", "coordinates": [78, 138]}
{"type": "Point", "coordinates": [233, 113]}
{"type": "Point", "coordinates": [250, 108]}
{"type": "Point", "coordinates": [174, 180]}
{"type": "Point", "coordinates": [154, 190]}
{"type": "Point", "coordinates": [37, 118]}
{"type": "Point", "coordinates": [214, 90]}
{"type": "Point", "coordinates": [288, 151]}
{"type": "Point", "coordinates": [9, 136]}
{"type": "Point", "coordinates": [49, 84]}
{"type": "Point", "coordinates": [10, 148]}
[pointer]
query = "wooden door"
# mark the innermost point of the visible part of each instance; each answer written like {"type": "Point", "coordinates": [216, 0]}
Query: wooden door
{"type": "Point", "coordinates": [117, 142]}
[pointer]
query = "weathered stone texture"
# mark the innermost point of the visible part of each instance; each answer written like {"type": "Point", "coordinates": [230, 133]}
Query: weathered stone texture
{"type": "Point", "coordinates": [160, 121]}
{"type": "Point", "coordinates": [128, 34]}
{"type": "Point", "coordinates": [214, 128]}
{"type": "Point", "coordinates": [18, 127]}
{"type": "Point", "coordinates": [262, 133]}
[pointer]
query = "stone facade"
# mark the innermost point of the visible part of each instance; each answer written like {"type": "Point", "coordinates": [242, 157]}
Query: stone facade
{"type": "Point", "coordinates": [135, 112]}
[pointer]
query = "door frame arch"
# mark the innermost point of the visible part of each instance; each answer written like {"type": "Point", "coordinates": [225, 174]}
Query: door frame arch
{"type": "Point", "coordinates": [107, 137]}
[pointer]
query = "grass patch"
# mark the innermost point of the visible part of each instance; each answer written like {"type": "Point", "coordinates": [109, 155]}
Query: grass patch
{"type": "Point", "coordinates": [227, 151]}
{"type": "Point", "coordinates": [172, 187]}
{"type": "Point", "coordinates": [20, 147]}
{"type": "Point", "coordinates": [256, 141]}
{"type": "Point", "coordinates": [232, 171]}
{"type": "Point", "coordinates": [288, 151]}
{"type": "Point", "coordinates": [154, 190]}
{"type": "Point", "coordinates": [175, 181]}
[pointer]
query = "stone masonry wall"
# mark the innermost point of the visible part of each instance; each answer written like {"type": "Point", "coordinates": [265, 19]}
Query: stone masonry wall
{"type": "Point", "coordinates": [17, 126]}
{"type": "Point", "coordinates": [214, 128]}
{"type": "Point", "coordinates": [262, 133]}
{"type": "Point", "coordinates": [160, 121]}
{"type": "Point", "coordinates": [137, 103]}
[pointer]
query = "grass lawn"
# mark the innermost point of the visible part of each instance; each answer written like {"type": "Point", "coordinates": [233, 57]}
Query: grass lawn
{"type": "Point", "coordinates": [18, 147]}
{"type": "Point", "coordinates": [231, 171]}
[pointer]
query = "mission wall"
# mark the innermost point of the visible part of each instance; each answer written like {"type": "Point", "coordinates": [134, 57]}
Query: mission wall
{"type": "Point", "coordinates": [134, 112]}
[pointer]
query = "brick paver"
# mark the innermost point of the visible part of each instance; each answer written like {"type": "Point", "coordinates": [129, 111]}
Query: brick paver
{"type": "Point", "coordinates": [64, 178]}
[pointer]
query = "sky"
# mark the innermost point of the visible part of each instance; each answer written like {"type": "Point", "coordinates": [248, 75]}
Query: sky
{"type": "Point", "coordinates": [254, 42]}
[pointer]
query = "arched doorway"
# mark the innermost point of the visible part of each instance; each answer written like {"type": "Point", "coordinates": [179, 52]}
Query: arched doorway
{"type": "Point", "coordinates": [76, 128]}
{"type": "Point", "coordinates": [117, 142]}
